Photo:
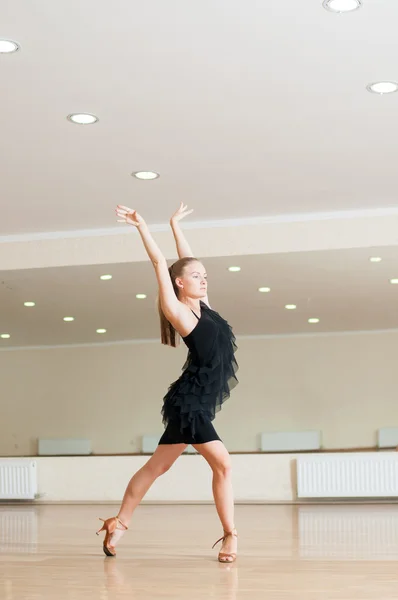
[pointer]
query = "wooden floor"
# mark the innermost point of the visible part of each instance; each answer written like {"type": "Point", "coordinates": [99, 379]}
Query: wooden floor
{"type": "Point", "coordinates": [329, 552]}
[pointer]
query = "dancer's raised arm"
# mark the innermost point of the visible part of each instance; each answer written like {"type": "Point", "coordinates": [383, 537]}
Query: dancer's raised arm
{"type": "Point", "coordinates": [176, 312]}
{"type": "Point", "coordinates": [131, 217]}
{"type": "Point", "coordinates": [170, 303]}
{"type": "Point", "coordinates": [183, 248]}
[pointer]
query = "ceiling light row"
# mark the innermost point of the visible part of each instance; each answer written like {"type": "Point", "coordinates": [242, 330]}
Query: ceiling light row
{"type": "Point", "coordinates": [6, 336]}
{"type": "Point", "coordinates": [31, 304]}
{"type": "Point", "coordinates": [265, 290]}
{"type": "Point", "coordinates": [373, 259]}
{"type": "Point", "coordinates": [393, 281]}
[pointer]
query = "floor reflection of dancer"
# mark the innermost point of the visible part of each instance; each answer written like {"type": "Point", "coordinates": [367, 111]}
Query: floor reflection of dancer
{"type": "Point", "coordinates": [126, 578]}
{"type": "Point", "coordinates": [192, 401]}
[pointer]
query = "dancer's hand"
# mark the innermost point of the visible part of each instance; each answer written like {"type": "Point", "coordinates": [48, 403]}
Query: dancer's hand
{"type": "Point", "coordinates": [181, 213]}
{"type": "Point", "coordinates": [128, 215]}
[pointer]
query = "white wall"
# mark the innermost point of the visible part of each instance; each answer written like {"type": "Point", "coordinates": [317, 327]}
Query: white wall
{"type": "Point", "coordinates": [256, 477]}
{"type": "Point", "coordinates": [344, 385]}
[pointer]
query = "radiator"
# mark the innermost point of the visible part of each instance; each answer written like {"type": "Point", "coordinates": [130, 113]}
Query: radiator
{"type": "Point", "coordinates": [18, 479]}
{"type": "Point", "coordinates": [348, 475]}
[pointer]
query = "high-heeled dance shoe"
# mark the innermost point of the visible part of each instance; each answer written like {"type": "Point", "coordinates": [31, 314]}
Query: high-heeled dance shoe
{"type": "Point", "coordinates": [226, 557]}
{"type": "Point", "coordinates": [110, 526]}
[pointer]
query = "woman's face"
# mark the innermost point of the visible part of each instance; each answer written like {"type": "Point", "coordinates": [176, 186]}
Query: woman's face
{"type": "Point", "coordinates": [193, 282]}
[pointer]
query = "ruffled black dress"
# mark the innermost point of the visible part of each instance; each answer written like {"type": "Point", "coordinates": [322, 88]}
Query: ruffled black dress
{"type": "Point", "coordinates": [209, 375]}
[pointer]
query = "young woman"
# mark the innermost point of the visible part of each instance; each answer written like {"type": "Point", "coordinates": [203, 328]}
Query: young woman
{"type": "Point", "coordinates": [192, 401]}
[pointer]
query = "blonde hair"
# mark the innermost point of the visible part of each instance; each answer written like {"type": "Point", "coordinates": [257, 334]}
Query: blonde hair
{"type": "Point", "coordinates": [168, 335]}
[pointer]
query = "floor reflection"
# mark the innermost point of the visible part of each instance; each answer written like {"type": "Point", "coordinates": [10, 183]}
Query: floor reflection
{"type": "Point", "coordinates": [355, 532]}
{"type": "Point", "coordinates": [18, 530]}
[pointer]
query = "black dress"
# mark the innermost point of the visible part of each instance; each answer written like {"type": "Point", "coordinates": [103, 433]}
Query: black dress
{"type": "Point", "coordinates": [192, 401]}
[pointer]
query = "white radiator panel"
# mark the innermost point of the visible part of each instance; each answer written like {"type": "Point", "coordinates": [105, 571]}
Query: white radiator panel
{"type": "Point", "coordinates": [290, 441]}
{"type": "Point", "coordinates": [348, 475]}
{"type": "Point", "coordinates": [64, 447]}
{"type": "Point", "coordinates": [387, 437]}
{"type": "Point", "coordinates": [18, 479]}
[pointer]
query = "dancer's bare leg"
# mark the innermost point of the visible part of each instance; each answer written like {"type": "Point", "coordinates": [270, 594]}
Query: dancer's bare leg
{"type": "Point", "coordinates": [219, 460]}
{"type": "Point", "coordinates": [160, 462]}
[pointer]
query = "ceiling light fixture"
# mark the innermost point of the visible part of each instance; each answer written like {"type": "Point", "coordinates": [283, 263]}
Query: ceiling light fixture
{"type": "Point", "coordinates": [101, 330]}
{"type": "Point", "coordinates": [264, 290]}
{"type": "Point", "coordinates": [106, 277]}
{"type": "Point", "coordinates": [82, 118]}
{"type": "Point", "coordinates": [394, 281]}
{"type": "Point", "coordinates": [8, 47]}
{"type": "Point", "coordinates": [290, 306]}
{"type": "Point", "coordinates": [5, 336]}
{"type": "Point", "coordinates": [140, 296]}
{"type": "Point", "coordinates": [342, 6]}
{"type": "Point", "coordinates": [313, 320]}
{"type": "Point", "coordinates": [69, 319]}
{"type": "Point", "coordinates": [382, 87]}
{"type": "Point", "coordinates": [375, 259]}
{"type": "Point", "coordinates": [146, 175]}
{"type": "Point", "coordinates": [234, 269]}
{"type": "Point", "coordinates": [29, 304]}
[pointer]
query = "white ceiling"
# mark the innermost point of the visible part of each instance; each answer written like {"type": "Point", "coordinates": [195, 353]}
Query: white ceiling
{"type": "Point", "coordinates": [246, 109]}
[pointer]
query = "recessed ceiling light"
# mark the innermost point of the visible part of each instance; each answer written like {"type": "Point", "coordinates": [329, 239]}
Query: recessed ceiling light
{"type": "Point", "coordinates": [382, 87]}
{"type": "Point", "coordinates": [5, 336]}
{"type": "Point", "coordinates": [140, 296]}
{"type": "Point", "coordinates": [234, 269]}
{"type": "Point", "coordinates": [145, 175]}
{"type": "Point", "coordinates": [82, 118]}
{"type": "Point", "coordinates": [393, 280]}
{"type": "Point", "coordinates": [29, 304]}
{"type": "Point", "coordinates": [106, 277]}
{"type": "Point", "coordinates": [375, 259]}
{"type": "Point", "coordinates": [101, 330]}
{"type": "Point", "coordinates": [290, 306]}
{"type": "Point", "coordinates": [264, 290]}
{"type": "Point", "coordinates": [69, 318]}
{"type": "Point", "coordinates": [313, 320]}
{"type": "Point", "coordinates": [7, 46]}
{"type": "Point", "coordinates": [340, 6]}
